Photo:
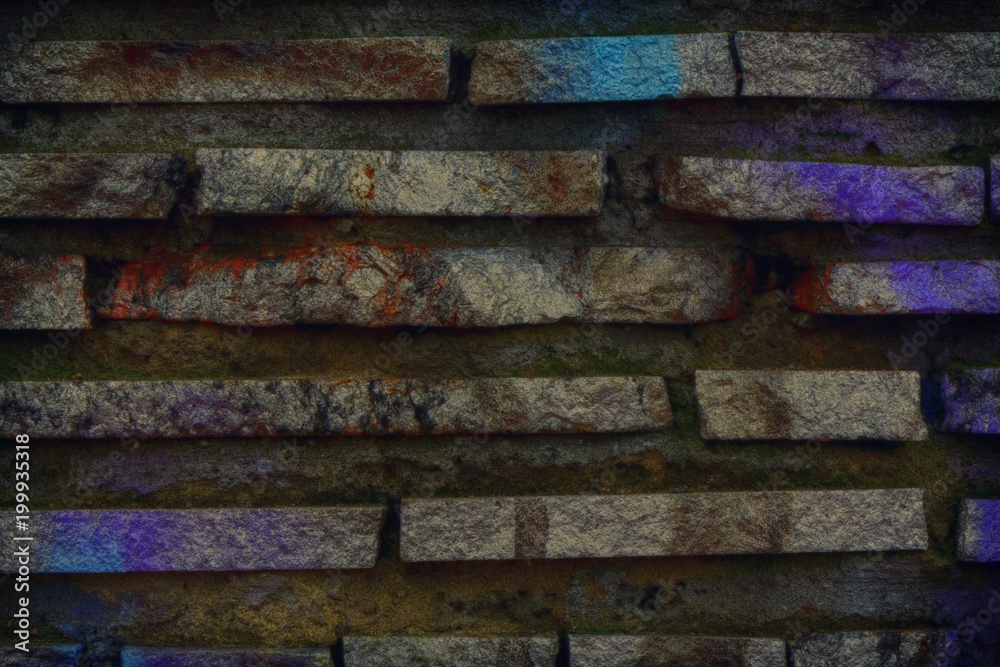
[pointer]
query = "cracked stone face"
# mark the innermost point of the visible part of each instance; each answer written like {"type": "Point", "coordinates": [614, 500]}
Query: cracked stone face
{"type": "Point", "coordinates": [450, 651]}
{"type": "Point", "coordinates": [876, 649]}
{"type": "Point", "coordinates": [674, 651]}
{"type": "Point", "coordinates": [43, 293]}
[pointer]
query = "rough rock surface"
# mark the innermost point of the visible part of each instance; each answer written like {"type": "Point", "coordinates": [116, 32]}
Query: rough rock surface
{"type": "Point", "coordinates": [941, 66]}
{"type": "Point", "coordinates": [41, 655]}
{"type": "Point", "coordinates": [674, 651]}
{"type": "Point", "coordinates": [43, 293]}
{"type": "Point", "coordinates": [803, 405]}
{"type": "Point", "coordinates": [450, 651]}
{"type": "Point", "coordinates": [893, 288]}
{"type": "Point", "coordinates": [323, 70]}
{"type": "Point", "coordinates": [824, 192]}
{"type": "Point", "coordinates": [147, 656]}
{"type": "Point", "coordinates": [266, 181]}
{"type": "Point", "coordinates": [73, 185]}
{"type": "Point", "coordinates": [876, 649]}
{"type": "Point", "coordinates": [457, 287]}
{"type": "Point", "coordinates": [970, 401]}
{"type": "Point", "coordinates": [995, 185]}
{"type": "Point", "coordinates": [691, 524]}
{"type": "Point", "coordinates": [602, 69]}
{"type": "Point", "coordinates": [302, 538]}
{"type": "Point", "coordinates": [246, 408]}
{"type": "Point", "coordinates": [979, 531]}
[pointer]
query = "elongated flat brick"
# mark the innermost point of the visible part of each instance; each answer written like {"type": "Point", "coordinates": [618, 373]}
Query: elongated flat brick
{"type": "Point", "coordinates": [464, 287]}
{"type": "Point", "coordinates": [895, 288]}
{"type": "Point", "coordinates": [943, 66]}
{"type": "Point", "coordinates": [824, 192]}
{"type": "Point", "coordinates": [238, 408]}
{"type": "Point", "coordinates": [688, 524]}
{"type": "Point", "coordinates": [602, 69]}
{"type": "Point", "coordinates": [934, 648]}
{"type": "Point", "coordinates": [319, 70]}
{"type": "Point", "coordinates": [805, 405]}
{"type": "Point", "coordinates": [450, 651]}
{"type": "Point", "coordinates": [265, 181]}
{"type": "Point", "coordinates": [148, 656]}
{"type": "Point", "coordinates": [40, 655]}
{"type": "Point", "coordinates": [667, 651]}
{"type": "Point", "coordinates": [76, 185]}
{"type": "Point", "coordinates": [969, 401]}
{"type": "Point", "coordinates": [43, 293]}
{"type": "Point", "coordinates": [303, 538]}
{"type": "Point", "coordinates": [979, 531]}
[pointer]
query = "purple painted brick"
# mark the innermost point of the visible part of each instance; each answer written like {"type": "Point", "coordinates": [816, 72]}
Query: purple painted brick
{"type": "Point", "coordinates": [970, 401]}
{"type": "Point", "coordinates": [979, 531]}
{"type": "Point", "coordinates": [154, 656]}
{"type": "Point", "coordinates": [995, 185]}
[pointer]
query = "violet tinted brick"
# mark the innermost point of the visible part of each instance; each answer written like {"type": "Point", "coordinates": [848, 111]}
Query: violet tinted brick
{"type": "Point", "coordinates": [979, 531]}
{"type": "Point", "coordinates": [162, 540]}
{"type": "Point", "coordinates": [969, 401]}
{"type": "Point", "coordinates": [450, 651]}
{"type": "Point", "coordinates": [933, 648]}
{"type": "Point", "coordinates": [674, 651]}
{"type": "Point", "coordinates": [43, 293]}
{"type": "Point", "coordinates": [602, 69]}
{"type": "Point", "coordinates": [688, 524]}
{"type": "Point", "coordinates": [995, 185]}
{"type": "Point", "coordinates": [41, 655]}
{"type": "Point", "coordinates": [150, 656]}
{"type": "Point", "coordinates": [318, 70]}
{"type": "Point", "coordinates": [824, 192]}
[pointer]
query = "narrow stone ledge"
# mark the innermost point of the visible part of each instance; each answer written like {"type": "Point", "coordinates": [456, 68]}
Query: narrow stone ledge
{"type": "Point", "coordinates": [805, 405]}
{"type": "Point", "coordinates": [89, 186]}
{"type": "Point", "coordinates": [935, 648]}
{"type": "Point", "coordinates": [41, 655]}
{"type": "Point", "coordinates": [979, 531]}
{"type": "Point", "coordinates": [450, 651]}
{"type": "Point", "coordinates": [43, 293]}
{"type": "Point", "coordinates": [674, 651]}
{"type": "Point", "coordinates": [268, 181]}
{"type": "Point", "coordinates": [143, 656]}
{"type": "Point", "coordinates": [995, 186]}
{"type": "Point", "coordinates": [305, 538]}
{"type": "Point", "coordinates": [969, 401]}
{"type": "Point", "coordinates": [261, 408]}
{"type": "Point", "coordinates": [824, 192]}
{"type": "Point", "coordinates": [602, 69]}
{"type": "Point", "coordinates": [321, 70]}
{"type": "Point", "coordinates": [943, 66]}
{"type": "Point", "coordinates": [693, 524]}
{"type": "Point", "coordinates": [370, 286]}
{"type": "Point", "coordinates": [900, 288]}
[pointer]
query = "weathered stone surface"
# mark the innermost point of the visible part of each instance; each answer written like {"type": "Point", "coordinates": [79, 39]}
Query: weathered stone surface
{"type": "Point", "coordinates": [450, 651]}
{"type": "Point", "coordinates": [602, 69]}
{"type": "Point", "coordinates": [894, 288]}
{"type": "Point", "coordinates": [265, 181]}
{"type": "Point", "coordinates": [969, 401]}
{"type": "Point", "coordinates": [995, 185]}
{"type": "Point", "coordinates": [320, 70]}
{"type": "Point", "coordinates": [662, 525]}
{"type": "Point", "coordinates": [935, 648]}
{"type": "Point", "coordinates": [148, 656]}
{"type": "Point", "coordinates": [824, 192]}
{"type": "Point", "coordinates": [979, 531]}
{"type": "Point", "coordinates": [70, 185]}
{"type": "Point", "coordinates": [41, 655]}
{"type": "Point", "coordinates": [238, 408]}
{"type": "Point", "coordinates": [301, 538]}
{"type": "Point", "coordinates": [43, 293]}
{"type": "Point", "coordinates": [942, 66]}
{"type": "Point", "coordinates": [674, 651]}
{"type": "Point", "coordinates": [805, 405]}
{"type": "Point", "coordinates": [457, 287]}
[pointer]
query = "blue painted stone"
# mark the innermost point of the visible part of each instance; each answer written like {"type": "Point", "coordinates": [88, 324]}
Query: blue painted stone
{"type": "Point", "coordinates": [969, 401]}
{"type": "Point", "coordinates": [143, 656]}
{"type": "Point", "coordinates": [979, 531]}
{"type": "Point", "coordinates": [41, 655]}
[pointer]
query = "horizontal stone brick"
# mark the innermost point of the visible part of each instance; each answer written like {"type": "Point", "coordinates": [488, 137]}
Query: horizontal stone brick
{"type": "Point", "coordinates": [943, 66]}
{"type": "Point", "coordinates": [457, 287]}
{"type": "Point", "coordinates": [824, 192]}
{"type": "Point", "coordinates": [304, 538]}
{"type": "Point", "coordinates": [979, 531]}
{"type": "Point", "coordinates": [76, 185]}
{"type": "Point", "coordinates": [41, 655]}
{"type": "Point", "coordinates": [898, 288]}
{"type": "Point", "coordinates": [318, 70]}
{"type": "Point", "coordinates": [969, 401]}
{"type": "Point", "coordinates": [146, 656]}
{"type": "Point", "coordinates": [266, 181]}
{"type": "Point", "coordinates": [602, 69]}
{"type": "Point", "coordinates": [934, 648]}
{"type": "Point", "coordinates": [450, 651]}
{"type": "Point", "coordinates": [678, 651]}
{"type": "Point", "coordinates": [248, 408]}
{"type": "Point", "coordinates": [43, 293]}
{"type": "Point", "coordinates": [690, 524]}
{"type": "Point", "coordinates": [805, 405]}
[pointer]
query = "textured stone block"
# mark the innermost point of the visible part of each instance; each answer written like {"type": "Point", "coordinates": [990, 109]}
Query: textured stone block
{"type": "Point", "coordinates": [147, 656]}
{"type": "Point", "coordinates": [668, 651]}
{"type": "Point", "coordinates": [943, 66]}
{"type": "Point", "coordinates": [897, 288]}
{"type": "Point", "coordinates": [824, 192]}
{"type": "Point", "coordinates": [688, 524]}
{"type": "Point", "coordinates": [247, 408]}
{"type": "Point", "coordinates": [455, 287]}
{"type": "Point", "coordinates": [43, 293]}
{"type": "Point", "coordinates": [450, 651]}
{"type": "Point", "coordinates": [318, 70]}
{"type": "Point", "coordinates": [876, 649]}
{"type": "Point", "coordinates": [302, 538]}
{"type": "Point", "coordinates": [969, 401]}
{"type": "Point", "coordinates": [602, 69]}
{"type": "Point", "coordinates": [41, 655]}
{"type": "Point", "coordinates": [106, 185]}
{"type": "Point", "coordinates": [806, 405]}
{"type": "Point", "coordinates": [979, 531]}
{"type": "Point", "coordinates": [995, 185]}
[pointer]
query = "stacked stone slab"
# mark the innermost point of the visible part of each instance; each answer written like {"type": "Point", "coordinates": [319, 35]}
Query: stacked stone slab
{"type": "Point", "coordinates": [43, 293]}
{"type": "Point", "coordinates": [450, 651]}
{"type": "Point", "coordinates": [676, 651]}
{"type": "Point", "coordinates": [979, 531]}
{"type": "Point", "coordinates": [969, 401]}
{"type": "Point", "coordinates": [995, 185]}
{"type": "Point", "coordinates": [936, 648]}
{"type": "Point", "coordinates": [41, 655]}
{"type": "Point", "coordinates": [150, 656]}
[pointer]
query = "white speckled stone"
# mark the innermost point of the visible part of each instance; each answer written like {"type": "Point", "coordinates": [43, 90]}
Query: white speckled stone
{"type": "Point", "coordinates": [43, 293]}
{"type": "Point", "coordinates": [674, 651]}
{"type": "Point", "coordinates": [450, 651]}
{"type": "Point", "coordinates": [876, 649]}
